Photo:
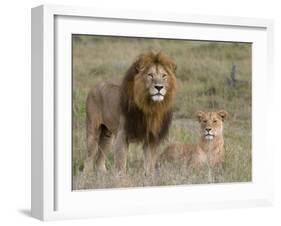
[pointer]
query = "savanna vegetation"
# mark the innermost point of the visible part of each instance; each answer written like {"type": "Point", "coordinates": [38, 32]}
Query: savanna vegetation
{"type": "Point", "coordinates": [210, 76]}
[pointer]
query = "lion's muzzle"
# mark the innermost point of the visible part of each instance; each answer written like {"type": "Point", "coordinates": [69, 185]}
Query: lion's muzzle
{"type": "Point", "coordinates": [157, 93]}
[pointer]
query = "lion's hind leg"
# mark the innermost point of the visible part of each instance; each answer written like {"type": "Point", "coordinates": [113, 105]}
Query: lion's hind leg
{"type": "Point", "coordinates": [93, 132]}
{"type": "Point", "coordinates": [93, 136]}
{"type": "Point", "coordinates": [105, 142]}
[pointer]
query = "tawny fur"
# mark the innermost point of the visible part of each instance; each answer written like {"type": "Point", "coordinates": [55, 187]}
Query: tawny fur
{"type": "Point", "coordinates": [129, 113]}
{"type": "Point", "coordinates": [208, 150]}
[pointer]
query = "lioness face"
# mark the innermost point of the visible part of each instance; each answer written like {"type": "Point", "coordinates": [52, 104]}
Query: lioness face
{"type": "Point", "coordinates": [156, 80]}
{"type": "Point", "coordinates": [211, 123]}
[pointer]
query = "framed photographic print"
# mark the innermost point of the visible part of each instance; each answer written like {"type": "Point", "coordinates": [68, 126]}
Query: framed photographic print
{"type": "Point", "coordinates": [137, 112]}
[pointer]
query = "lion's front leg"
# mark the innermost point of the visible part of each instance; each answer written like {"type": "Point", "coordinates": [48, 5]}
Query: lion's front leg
{"type": "Point", "coordinates": [150, 157]}
{"type": "Point", "coordinates": [120, 152]}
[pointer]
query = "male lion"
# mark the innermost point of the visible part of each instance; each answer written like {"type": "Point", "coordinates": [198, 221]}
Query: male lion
{"type": "Point", "coordinates": [140, 110]}
{"type": "Point", "coordinates": [210, 148]}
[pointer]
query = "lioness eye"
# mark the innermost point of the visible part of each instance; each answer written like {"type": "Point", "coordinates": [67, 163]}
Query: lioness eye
{"type": "Point", "coordinates": [205, 121]}
{"type": "Point", "coordinates": [164, 76]}
{"type": "Point", "coordinates": [150, 75]}
{"type": "Point", "coordinates": [214, 121]}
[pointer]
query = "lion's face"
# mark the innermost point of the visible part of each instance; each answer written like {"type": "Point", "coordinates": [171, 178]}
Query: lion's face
{"type": "Point", "coordinates": [157, 82]}
{"type": "Point", "coordinates": [211, 123]}
{"type": "Point", "coordinates": [154, 82]}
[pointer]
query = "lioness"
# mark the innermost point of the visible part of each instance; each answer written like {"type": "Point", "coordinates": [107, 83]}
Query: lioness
{"type": "Point", "coordinates": [137, 111]}
{"type": "Point", "coordinates": [210, 148]}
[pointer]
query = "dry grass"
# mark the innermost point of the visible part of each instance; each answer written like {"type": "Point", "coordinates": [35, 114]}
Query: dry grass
{"type": "Point", "coordinates": [202, 74]}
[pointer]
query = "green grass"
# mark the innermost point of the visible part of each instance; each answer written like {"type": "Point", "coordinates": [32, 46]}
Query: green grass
{"type": "Point", "coordinates": [202, 72]}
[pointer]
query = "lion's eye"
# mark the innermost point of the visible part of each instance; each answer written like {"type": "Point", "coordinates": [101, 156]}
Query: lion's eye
{"type": "Point", "coordinates": [164, 76]}
{"type": "Point", "coordinates": [214, 121]}
{"type": "Point", "coordinates": [205, 121]}
{"type": "Point", "coordinates": [150, 75]}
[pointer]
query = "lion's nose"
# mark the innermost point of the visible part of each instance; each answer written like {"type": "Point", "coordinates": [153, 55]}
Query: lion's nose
{"type": "Point", "coordinates": [158, 87]}
{"type": "Point", "coordinates": [208, 129]}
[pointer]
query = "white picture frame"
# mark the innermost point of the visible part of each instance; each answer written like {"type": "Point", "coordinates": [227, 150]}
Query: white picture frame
{"type": "Point", "coordinates": [52, 197]}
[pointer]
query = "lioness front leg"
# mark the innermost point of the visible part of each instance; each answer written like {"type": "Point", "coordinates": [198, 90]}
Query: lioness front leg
{"type": "Point", "coordinates": [150, 157]}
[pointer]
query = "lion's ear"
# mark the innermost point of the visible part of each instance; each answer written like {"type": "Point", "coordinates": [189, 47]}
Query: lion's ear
{"type": "Point", "coordinates": [199, 115]}
{"type": "Point", "coordinates": [166, 61]}
{"type": "Point", "coordinates": [139, 65]}
{"type": "Point", "coordinates": [141, 61]}
{"type": "Point", "coordinates": [223, 114]}
{"type": "Point", "coordinates": [173, 66]}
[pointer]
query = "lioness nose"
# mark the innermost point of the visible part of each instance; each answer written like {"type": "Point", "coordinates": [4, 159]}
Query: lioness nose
{"type": "Point", "coordinates": [208, 129]}
{"type": "Point", "coordinates": [158, 87]}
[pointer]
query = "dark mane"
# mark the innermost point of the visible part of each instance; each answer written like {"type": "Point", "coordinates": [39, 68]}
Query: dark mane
{"type": "Point", "coordinates": [136, 126]}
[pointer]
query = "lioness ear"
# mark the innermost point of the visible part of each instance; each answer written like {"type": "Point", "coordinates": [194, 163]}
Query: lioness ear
{"type": "Point", "coordinates": [199, 115]}
{"type": "Point", "coordinates": [223, 114]}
